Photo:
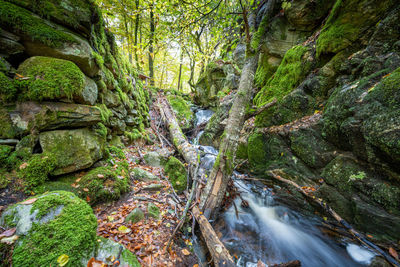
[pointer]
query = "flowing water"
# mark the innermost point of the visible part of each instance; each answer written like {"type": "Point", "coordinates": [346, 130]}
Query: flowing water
{"type": "Point", "coordinates": [272, 232]}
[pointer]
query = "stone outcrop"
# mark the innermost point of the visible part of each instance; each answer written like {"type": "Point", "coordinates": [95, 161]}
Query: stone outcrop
{"type": "Point", "coordinates": [336, 124]}
{"type": "Point", "coordinates": [64, 87]}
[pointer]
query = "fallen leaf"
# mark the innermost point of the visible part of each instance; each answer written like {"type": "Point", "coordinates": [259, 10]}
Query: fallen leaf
{"type": "Point", "coordinates": [77, 180]}
{"type": "Point", "coordinates": [23, 166]}
{"type": "Point", "coordinates": [63, 260]}
{"type": "Point", "coordinates": [8, 233]}
{"type": "Point", "coordinates": [85, 189]}
{"type": "Point", "coordinates": [260, 264]}
{"type": "Point", "coordinates": [185, 252]}
{"type": "Point", "coordinates": [218, 248]}
{"type": "Point", "coordinates": [9, 240]}
{"type": "Point", "coordinates": [123, 229]}
{"type": "Point", "coordinates": [28, 201]}
{"type": "Point", "coordinates": [393, 252]}
{"type": "Point", "coordinates": [100, 175]}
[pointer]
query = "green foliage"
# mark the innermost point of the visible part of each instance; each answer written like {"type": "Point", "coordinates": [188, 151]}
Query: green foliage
{"type": "Point", "coordinates": [176, 172]}
{"type": "Point", "coordinates": [264, 71]}
{"type": "Point", "coordinates": [21, 20]}
{"type": "Point", "coordinates": [51, 78]}
{"type": "Point", "coordinates": [293, 68]}
{"type": "Point", "coordinates": [104, 112]}
{"type": "Point", "coordinates": [101, 130]}
{"type": "Point", "coordinates": [5, 152]}
{"type": "Point", "coordinates": [72, 232]}
{"type": "Point", "coordinates": [37, 170]}
{"type": "Point", "coordinates": [133, 135]}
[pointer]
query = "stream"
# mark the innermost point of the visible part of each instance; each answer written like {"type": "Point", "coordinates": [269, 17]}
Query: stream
{"type": "Point", "coordinates": [269, 230]}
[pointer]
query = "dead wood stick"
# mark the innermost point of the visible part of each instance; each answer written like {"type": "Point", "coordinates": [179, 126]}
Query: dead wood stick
{"type": "Point", "coordinates": [295, 263]}
{"type": "Point", "coordinates": [360, 237]}
{"type": "Point", "coordinates": [262, 108]}
{"type": "Point", "coordinates": [185, 211]}
{"type": "Point", "coordinates": [148, 199]}
{"type": "Point", "coordinates": [221, 256]}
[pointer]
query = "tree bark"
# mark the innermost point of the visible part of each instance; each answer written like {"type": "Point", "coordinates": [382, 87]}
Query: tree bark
{"type": "Point", "coordinates": [215, 189]}
{"type": "Point", "coordinates": [180, 70]}
{"type": "Point", "coordinates": [151, 45]}
{"type": "Point", "coordinates": [137, 20]}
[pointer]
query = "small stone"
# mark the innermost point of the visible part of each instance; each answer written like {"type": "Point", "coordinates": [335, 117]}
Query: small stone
{"type": "Point", "coordinates": [153, 187]}
{"type": "Point", "coordinates": [153, 211]}
{"type": "Point", "coordinates": [135, 216]}
{"type": "Point", "coordinates": [142, 175]}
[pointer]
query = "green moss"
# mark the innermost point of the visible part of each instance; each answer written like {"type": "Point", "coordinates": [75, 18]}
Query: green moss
{"type": "Point", "coordinates": [8, 88]}
{"type": "Point", "coordinates": [7, 130]}
{"type": "Point", "coordinates": [117, 152]}
{"type": "Point", "coordinates": [22, 21]}
{"type": "Point", "coordinates": [264, 71]}
{"type": "Point", "coordinates": [262, 29]}
{"type": "Point", "coordinates": [105, 183]}
{"type": "Point", "coordinates": [388, 90]}
{"type": "Point", "coordinates": [182, 111]}
{"type": "Point", "coordinates": [51, 78]}
{"type": "Point", "coordinates": [98, 59]}
{"type": "Point", "coordinates": [293, 68]}
{"type": "Point", "coordinates": [5, 152]}
{"type": "Point", "coordinates": [256, 151]}
{"type": "Point", "coordinates": [101, 130]}
{"type": "Point", "coordinates": [72, 232]}
{"type": "Point", "coordinates": [176, 172]}
{"type": "Point", "coordinates": [133, 135]}
{"type": "Point", "coordinates": [346, 23]}
{"type": "Point", "coordinates": [105, 113]}
{"type": "Point", "coordinates": [37, 169]}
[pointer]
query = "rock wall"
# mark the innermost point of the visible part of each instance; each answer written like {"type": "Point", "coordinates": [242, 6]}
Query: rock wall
{"type": "Point", "coordinates": [337, 80]}
{"type": "Point", "coordinates": [65, 89]}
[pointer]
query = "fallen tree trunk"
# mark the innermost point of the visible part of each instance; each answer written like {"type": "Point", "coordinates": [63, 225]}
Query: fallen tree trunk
{"type": "Point", "coordinates": [337, 217]}
{"type": "Point", "coordinates": [219, 253]}
{"type": "Point", "coordinates": [222, 170]}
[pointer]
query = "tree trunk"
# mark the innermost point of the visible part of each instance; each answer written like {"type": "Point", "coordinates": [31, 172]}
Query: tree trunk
{"type": "Point", "coordinates": [180, 70]}
{"type": "Point", "coordinates": [137, 19]}
{"type": "Point", "coordinates": [215, 189]}
{"type": "Point", "coordinates": [151, 45]}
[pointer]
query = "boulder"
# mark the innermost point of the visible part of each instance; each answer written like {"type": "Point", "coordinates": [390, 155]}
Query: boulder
{"type": "Point", "coordinates": [305, 15]}
{"type": "Point", "coordinates": [43, 116]}
{"type": "Point", "coordinates": [41, 37]}
{"type": "Point", "coordinates": [176, 172]}
{"type": "Point", "coordinates": [135, 216]}
{"type": "Point", "coordinates": [74, 149]}
{"type": "Point", "coordinates": [56, 79]}
{"type": "Point", "coordinates": [154, 159]}
{"type": "Point", "coordinates": [49, 226]}
{"type": "Point", "coordinates": [153, 211]}
{"type": "Point", "coordinates": [111, 99]}
{"type": "Point", "coordinates": [9, 44]}
{"type": "Point", "coordinates": [108, 248]}
{"type": "Point", "coordinates": [142, 175]}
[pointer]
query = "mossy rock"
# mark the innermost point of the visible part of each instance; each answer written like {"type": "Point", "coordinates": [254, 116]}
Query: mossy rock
{"type": "Point", "coordinates": [346, 23]}
{"type": "Point", "coordinates": [293, 69]}
{"type": "Point", "coordinates": [54, 224]}
{"type": "Point", "coordinates": [107, 248]}
{"type": "Point", "coordinates": [142, 175]}
{"type": "Point", "coordinates": [51, 79]}
{"type": "Point", "coordinates": [209, 83]}
{"type": "Point", "coordinates": [176, 172]}
{"type": "Point", "coordinates": [37, 169]}
{"type": "Point", "coordinates": [74, 149]}
{"type": "Point", "coordinates": [8, 88]}
{"type": "Point", "coordinates": [104, 184]}
{"type": "Point", "coordinates": [182, 111]}
{"type": "Point", "coordinates": [153, 211]}
{"type": "Point", "coordinates": [7, 128]}
{"type": "Point", "coordinates": [135, 216]}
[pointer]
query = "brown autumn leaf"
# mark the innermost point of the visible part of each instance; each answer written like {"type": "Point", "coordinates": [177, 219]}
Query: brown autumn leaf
{"type": "Point", "coordinates": [260, 264]}
{"type": "Point", "coordinates": [393, 252]}
{"type": "Point", "coordinates": [28, 201]}
{"type": "Point", "coordinates": [185, 252]}
{"type": "Point", "coordinates": [23, 166]}
{"type": "Point", "coordinates": [8, 233]}
{"type": "Point", "coordinates": [100, 175]}
{"type": "Point", "coordinates": [85, 189]}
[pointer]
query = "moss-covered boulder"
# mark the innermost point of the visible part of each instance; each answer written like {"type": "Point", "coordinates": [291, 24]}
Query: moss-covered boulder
{"type": "Point", "coordinates": [153, 211]}
{"type": "Point", "coordinates": [176, 172]}
{"type": "Point", "coordinates": [54, 224]}
{"type": "Point", "coordinates": [74, 149]}
{"type": "Point", "coordinates": [104, 184]}
{"type": "Point", "coordinates": [56, 79]}
{"type": "Point", "coordinates": [210, 82]}
{"type": "Point", "coordinates": [142, 175]}
{"type": "Point", "coordinates": [135, 216]}
{"type": "Point", "coordinates": [108, 248]}
{"type": "Point", "coordinates": [44, 38]}
{"type": "Point", "coordinates": [182, 111]}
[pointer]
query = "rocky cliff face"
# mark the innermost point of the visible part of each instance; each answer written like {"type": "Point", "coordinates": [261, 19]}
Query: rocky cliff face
{"type": "Point", "coordinates": [65, 90]}
{"type": "Point", "coordinates": [333, 66]}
